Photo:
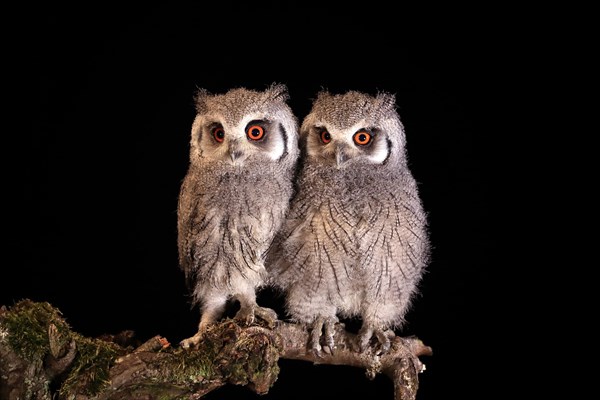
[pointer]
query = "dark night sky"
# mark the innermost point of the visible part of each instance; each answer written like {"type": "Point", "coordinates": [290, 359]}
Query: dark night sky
{"type": "Point", "coordinates": [106, 99]}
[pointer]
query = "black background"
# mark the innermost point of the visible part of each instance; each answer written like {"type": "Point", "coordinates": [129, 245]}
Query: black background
{"type": "Point", "coordinates": [104, 110]}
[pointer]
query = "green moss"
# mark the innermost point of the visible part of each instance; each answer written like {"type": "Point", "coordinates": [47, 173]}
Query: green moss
{"type": "Point", "coordinates": [243, 357]}
{"type": "Point", "coordinates": [227, 353]}
{"type": "Point", "coordinates": [195, 366]}
{"type": "Point", "coordinates": [91, 366]}
{"type": "Point", "coordinates": [27, 324]}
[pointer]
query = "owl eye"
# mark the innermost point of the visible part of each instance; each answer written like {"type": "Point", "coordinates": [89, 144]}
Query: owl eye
{"type": "Point", "coordinates": [325, 137]}
{"type": "Point", "coordinates": [255, 132]}
{"type": "Point", "coordinates": [219, 134]}
{"type": "Point", "coordinates": [362, 138]}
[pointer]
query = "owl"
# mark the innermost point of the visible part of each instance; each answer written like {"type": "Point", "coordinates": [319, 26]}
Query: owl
{"type": "Point", "coordinates": [234, 197]}
{"type": "Point", "coordinates": [355, 241]}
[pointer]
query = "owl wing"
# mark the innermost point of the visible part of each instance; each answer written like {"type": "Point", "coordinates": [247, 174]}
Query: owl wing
{"type": "Point", "coordinates": [185, 209]}
{"type": "Point", "coordinates": [393, 244]}
{"type": "Point", "coordinates": [200, 228]}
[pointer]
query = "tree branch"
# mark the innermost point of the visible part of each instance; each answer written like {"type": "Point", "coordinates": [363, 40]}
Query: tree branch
{"type": "Point", "coordinates": [38, 351]}
{"type": "Point", "coordinates": [401, 363]}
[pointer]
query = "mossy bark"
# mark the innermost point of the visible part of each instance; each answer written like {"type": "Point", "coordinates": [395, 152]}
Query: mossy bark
{"type": "Point", "coordinates": [41, 358]}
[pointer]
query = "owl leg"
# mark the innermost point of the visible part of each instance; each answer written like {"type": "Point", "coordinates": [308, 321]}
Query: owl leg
{"type": "Point", "coordinates": [212, 309]}
{"type": "Point", "coordinates": [249, 310]}
{"type": "Point", "coordinates": [383, 337]}
{"type": "Point", "coordinates": [323, 327]}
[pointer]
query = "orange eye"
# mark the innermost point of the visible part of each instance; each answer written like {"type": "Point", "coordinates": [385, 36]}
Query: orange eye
{"type": "Point", "coordinates": [255, 132]}
{"type": "Point", "coordinates": [362, 138]}
{"type": "Point", "coordinates": [219, 134]}
{"type": "Point", "coordinates": [325, 137]}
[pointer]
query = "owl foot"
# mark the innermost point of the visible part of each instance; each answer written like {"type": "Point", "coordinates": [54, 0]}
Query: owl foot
{"type": "Point", "coordinates": [191, 341]}
{"type": "Point", "coordinates": [206, 321]}
{"type": "Point", "coordinates": [247, 315]}
{"type": "Point", "coordinates": [383, 337]}
{"type": "Point", "coordinates": [323, 328]}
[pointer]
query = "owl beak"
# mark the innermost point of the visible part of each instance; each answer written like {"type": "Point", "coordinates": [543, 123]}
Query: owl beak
{"type": "Point", "coordinates": [341, 156]}
{"type": "Point", "coordinates": [235, 153]}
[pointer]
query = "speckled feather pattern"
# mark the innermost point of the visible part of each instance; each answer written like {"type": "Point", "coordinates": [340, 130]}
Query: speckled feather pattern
{"type": "Point", "coordinates": [228, 217]}
{"type": "Point", "coordinates": [355, 241]}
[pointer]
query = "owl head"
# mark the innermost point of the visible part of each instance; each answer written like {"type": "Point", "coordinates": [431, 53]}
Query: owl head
{"type": "Point", "coordinates": [243, 124]}
{"type": "Point", "coordinates": [353, 128]}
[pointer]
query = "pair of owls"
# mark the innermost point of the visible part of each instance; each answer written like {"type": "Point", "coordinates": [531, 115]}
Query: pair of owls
{"type": "Point", "coordinates": [326, 211]}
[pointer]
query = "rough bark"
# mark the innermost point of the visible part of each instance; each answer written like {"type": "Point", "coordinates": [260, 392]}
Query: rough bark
{"type": "Point", "coordinates": [41, 358]}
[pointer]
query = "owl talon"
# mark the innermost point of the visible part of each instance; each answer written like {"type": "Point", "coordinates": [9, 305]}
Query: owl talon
{"type": "Point", "coordinates": [323, 328]}
{"type": "Point", "coordinates": [247, 315]}
{"type": "Point", "coordinates": [384, 339]}
{"type": "Point", "coordinates": [316, 350]}
{"type": "Point", "coordinates": [329, 333]}
{"type": "Point", "coordinates": [191, 341]}
{"type": "Point", "coordinates": [268, 315]}
{"type": "Point", "coordinates": [382, 336]}
{"type": "Point", "coordinates": [315, 336]}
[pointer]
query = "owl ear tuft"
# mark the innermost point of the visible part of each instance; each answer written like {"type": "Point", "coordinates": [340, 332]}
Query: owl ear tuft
{"type": "Point", "coordinates": [322, 96]}
{"type": "Point", "coordinates": [278, 91]}
{"type": "Point", "coordinates": [387, 101]}
{"type": "Point", "coordinates": [200, 100]}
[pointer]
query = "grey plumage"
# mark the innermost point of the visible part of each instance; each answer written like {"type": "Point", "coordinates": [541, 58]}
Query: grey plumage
{"type": "Point", "coordinates": [355, 241]}
{"type": "Point", "coordinates": [243, 151]}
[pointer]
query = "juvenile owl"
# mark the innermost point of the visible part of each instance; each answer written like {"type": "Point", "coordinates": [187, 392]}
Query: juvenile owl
{"type": "Point", "coordinates": [243, 151]}
{"type": "Point", "coordinates": [355, 242]}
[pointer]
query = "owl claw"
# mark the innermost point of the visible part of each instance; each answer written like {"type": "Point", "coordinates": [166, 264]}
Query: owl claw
{"type": "Point", "coordinates": [191, 341]}
{"type": "Point", "coordinates": [210, 315]}
{"type": "Point", "coordinates": [247, 315]}
{"type": "Point", "coordinates": [315, 336]}
{"type": "Point", "coordinates": [267, 315]}
{"type": "Point", "coordinates": [329, 335]}
{"type": "Point", "coordinates": [323, 327]}
{"type": "Point", "coordinates": [383, 338]}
